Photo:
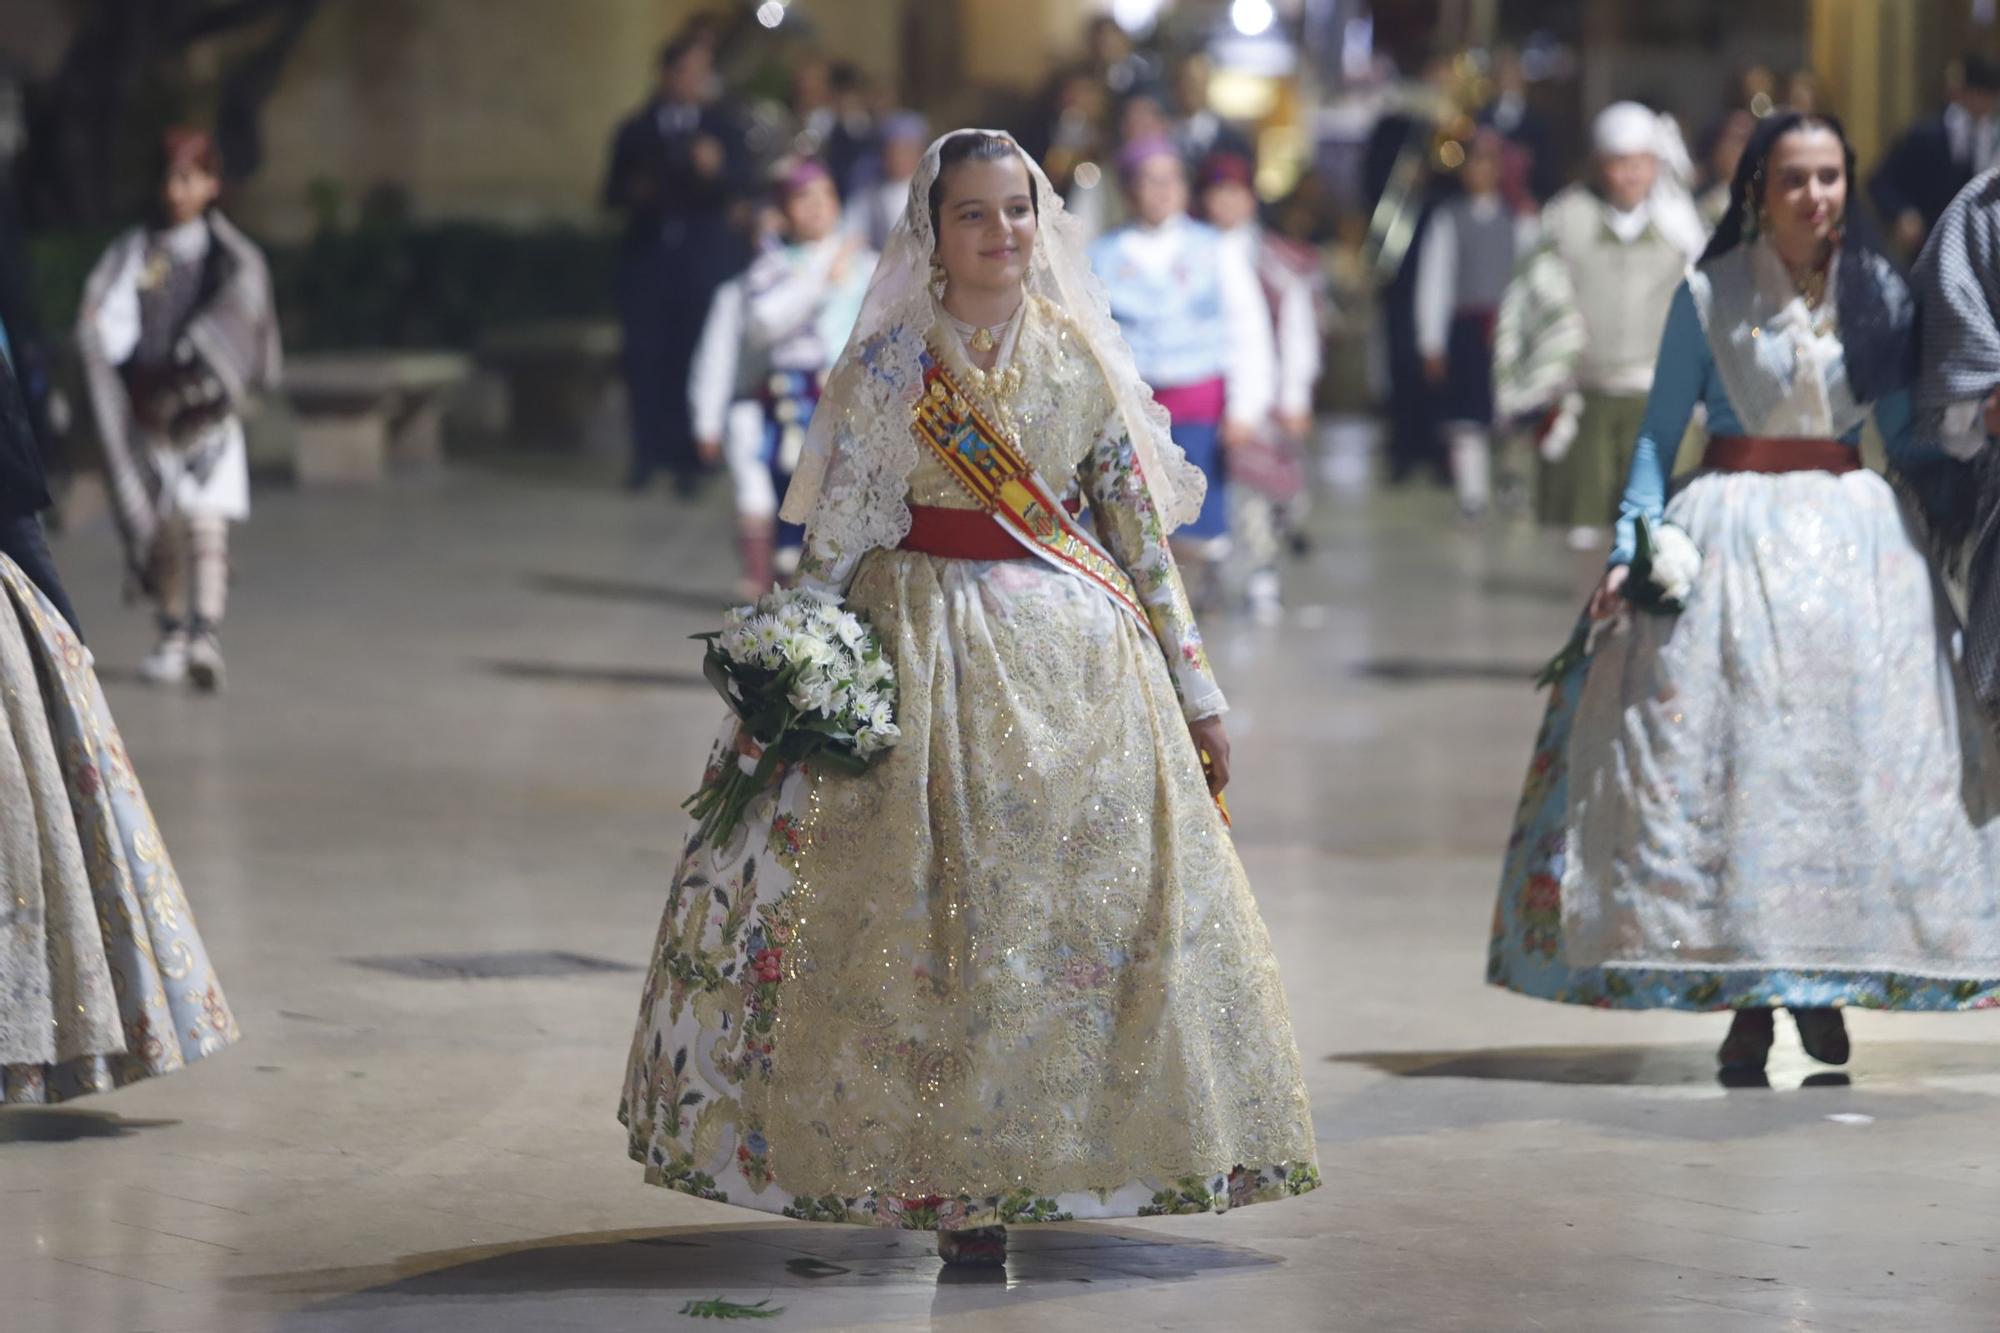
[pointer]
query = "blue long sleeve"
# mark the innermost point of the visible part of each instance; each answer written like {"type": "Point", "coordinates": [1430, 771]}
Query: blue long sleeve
{"type": "Point", "coordinates": [1895, 418]}
{"type": "Point", "coordinates": [1680, 378]}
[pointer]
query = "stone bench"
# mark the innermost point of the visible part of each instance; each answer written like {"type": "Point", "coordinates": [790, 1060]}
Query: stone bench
{"type": "Point", "coordinates": [359, 413]}
{"type": "Point", "coordinates": [562, 381]}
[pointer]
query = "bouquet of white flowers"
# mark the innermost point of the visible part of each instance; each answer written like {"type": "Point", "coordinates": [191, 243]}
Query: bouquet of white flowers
{"type": "Point", "coordinates": [807, 680]}
{"type": "Point", "coordinates": [1665, 564]}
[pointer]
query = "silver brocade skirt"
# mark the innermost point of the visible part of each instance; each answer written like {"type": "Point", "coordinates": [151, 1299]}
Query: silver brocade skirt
{"type": "Point", "coordinates": [104, 979]}
{"type": "Point", "coordinates": [1782, 795]}
{"type": "Point", "coordinates": [1013, 973]}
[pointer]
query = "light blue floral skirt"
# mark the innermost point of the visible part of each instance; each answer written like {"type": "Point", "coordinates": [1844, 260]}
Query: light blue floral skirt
{"type": "Point", "coordinates": [103, 976]}
{"type": "Point", "coordinates": [1783, 773]}
{"type": "Point", "coordinates": [1526, 952]}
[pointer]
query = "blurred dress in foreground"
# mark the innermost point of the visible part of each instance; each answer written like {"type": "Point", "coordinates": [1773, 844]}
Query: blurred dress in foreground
{"type": "Point", "coordinates": [103, 977]}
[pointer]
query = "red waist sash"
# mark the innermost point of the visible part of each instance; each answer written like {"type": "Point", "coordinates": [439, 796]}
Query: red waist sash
{"type": "Point", "coordinates": [1757, 453]}
{"type": "Point", "coordinates": [965, 534]}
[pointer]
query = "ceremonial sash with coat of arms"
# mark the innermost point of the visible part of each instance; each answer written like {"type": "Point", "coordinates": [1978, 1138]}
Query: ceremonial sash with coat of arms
{"type": "Point", "coordinates": [996, 474]}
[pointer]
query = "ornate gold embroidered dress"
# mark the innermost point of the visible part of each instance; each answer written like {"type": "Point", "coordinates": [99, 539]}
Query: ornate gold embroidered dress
{"type": "Point", "coordinates": [1015, 971]}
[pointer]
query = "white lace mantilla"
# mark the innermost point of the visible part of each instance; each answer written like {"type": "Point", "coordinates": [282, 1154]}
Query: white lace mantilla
{"type": "Point", "coordinates": [851, 486]}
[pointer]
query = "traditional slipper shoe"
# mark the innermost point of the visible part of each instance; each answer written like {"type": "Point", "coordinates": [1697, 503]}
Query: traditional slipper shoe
{"type": "Point", "coordinates": [1823, 1032]}
{"type": "Point", "coordinates": [1749, 1041]}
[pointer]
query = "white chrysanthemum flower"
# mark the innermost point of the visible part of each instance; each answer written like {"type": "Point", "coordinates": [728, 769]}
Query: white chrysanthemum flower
{"type": "Point", "coordinates": [881, 716]}
{"type": "Point", "coordinates": [767, 637]}
{"type": "Point", "coordinates": [833, 662]}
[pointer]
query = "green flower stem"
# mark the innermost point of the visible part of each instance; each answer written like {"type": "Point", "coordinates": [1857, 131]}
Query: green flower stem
{"type": "Point", "coordinates": [718, 1308]}
{"type": "Point", "coordinates": [1570, 654]}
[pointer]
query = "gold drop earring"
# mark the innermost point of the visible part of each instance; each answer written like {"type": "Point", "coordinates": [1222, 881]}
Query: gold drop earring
{"type": "Point", "coordinates": [938, 275]}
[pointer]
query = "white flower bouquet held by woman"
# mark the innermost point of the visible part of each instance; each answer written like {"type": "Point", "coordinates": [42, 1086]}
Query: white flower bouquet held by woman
{"type": "Point", "coordinates": [1665, 564]}
{"type": "Point", "coordinates": [807, 680]}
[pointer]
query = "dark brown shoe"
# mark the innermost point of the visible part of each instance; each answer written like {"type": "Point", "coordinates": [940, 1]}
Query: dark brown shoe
{"type": "Point", "coordinates": [1823, 1032]}
{"type": "Point", "coordinates": [1749, 1041]}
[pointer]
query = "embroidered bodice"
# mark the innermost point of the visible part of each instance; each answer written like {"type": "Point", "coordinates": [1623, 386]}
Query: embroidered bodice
{"type": "Point", "coordinates": [1065, 420]}
{"type": "Point", "coordinates": [1055, 415]}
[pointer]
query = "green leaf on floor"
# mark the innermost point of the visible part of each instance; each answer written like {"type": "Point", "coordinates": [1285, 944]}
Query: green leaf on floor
{"type": "Point", "coordinates": [721, 1309]}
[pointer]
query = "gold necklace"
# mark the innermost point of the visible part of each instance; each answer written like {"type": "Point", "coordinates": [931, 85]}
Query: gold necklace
{"type": "Point", "coordinates": [1002, 382]}
{"type": "Point", "coordinates": [997, 389]}
{"type": "Point", "coordinates": [1809, 280]}
{"type": "Point", "coordinates": [981, 338]}
{"type": "Point", "coordinates": [1810, 285]}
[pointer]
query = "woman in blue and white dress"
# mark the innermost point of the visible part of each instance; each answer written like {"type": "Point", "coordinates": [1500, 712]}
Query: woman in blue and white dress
{"type": "Point", "coordinates": [1780, 797]}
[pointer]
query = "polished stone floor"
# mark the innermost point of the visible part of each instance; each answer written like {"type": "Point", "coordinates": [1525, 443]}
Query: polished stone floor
{"type": "Point", "coordinates": [461, 715]}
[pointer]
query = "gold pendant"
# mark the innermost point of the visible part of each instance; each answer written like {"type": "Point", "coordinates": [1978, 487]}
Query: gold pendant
{"type": "Point", "coordinates": [983, 340]}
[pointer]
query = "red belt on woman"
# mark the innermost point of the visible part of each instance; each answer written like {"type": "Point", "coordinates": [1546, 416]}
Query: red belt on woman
{"type": "Point", "coordinates": [965, 534]}
{"type": "Point", "coordinates": [1760, 453]}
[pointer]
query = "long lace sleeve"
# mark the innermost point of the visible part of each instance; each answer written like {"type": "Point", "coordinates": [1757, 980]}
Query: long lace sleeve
{"type": "Point", "coordinates": [859, 508]}
{"type": "Point", "coordinates": [829, 559]}
{"type": "Point", "coordinates": [1129, 525]}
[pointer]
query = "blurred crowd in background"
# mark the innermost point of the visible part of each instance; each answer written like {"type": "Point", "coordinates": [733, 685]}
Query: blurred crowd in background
{"type": "Point", "coordinates": [754, 142]}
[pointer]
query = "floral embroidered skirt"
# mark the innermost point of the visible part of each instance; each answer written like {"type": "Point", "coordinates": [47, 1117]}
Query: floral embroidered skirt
{"type": "Point", "coordinates": [1782, 796]}
{"type": "Point", "coordinates": [103, 977]}
{"type": "Point", "coordinates": [1014, 973]}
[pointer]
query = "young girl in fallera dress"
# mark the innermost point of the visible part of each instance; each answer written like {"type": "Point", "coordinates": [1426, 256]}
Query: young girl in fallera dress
{"type": "Point", "coordinates": [1014, 971]}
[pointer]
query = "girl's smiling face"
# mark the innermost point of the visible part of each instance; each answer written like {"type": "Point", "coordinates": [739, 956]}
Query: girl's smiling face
{"type": "Point", "coordinates": [986, 223]}
{"type": "Point", "coordinates": [1805, 188]}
